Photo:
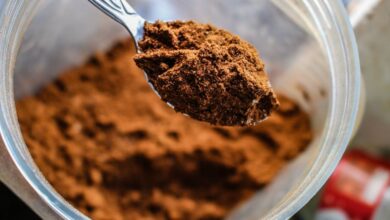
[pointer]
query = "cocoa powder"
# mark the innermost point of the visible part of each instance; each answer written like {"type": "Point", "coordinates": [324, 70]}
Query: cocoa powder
{"type": "Point", "coordinates": [108, 145]}
{"type": "Point", "coordinates": [206, 72]}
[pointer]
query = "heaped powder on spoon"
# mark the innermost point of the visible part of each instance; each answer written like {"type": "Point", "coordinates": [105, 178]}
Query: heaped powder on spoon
{"type": "Point", "coordinates": [114, 150]}
{"type": "Point", "coordinates": [205, 72]}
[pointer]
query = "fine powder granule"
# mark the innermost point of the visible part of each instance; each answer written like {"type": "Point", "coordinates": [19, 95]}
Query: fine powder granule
{"type": "Point", "coordinates": [207, 73]}
{"type": "Point", "coordinates": [114, 150]}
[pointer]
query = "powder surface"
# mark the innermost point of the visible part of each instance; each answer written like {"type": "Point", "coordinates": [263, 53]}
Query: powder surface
{"type": "Point", "coordinates": [206, 73]}
{"type": "Point", "coordinates": [108, 145]}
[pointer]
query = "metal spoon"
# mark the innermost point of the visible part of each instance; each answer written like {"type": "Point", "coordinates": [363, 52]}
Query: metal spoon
{"type": "Point", "coordinates": [123, 13]}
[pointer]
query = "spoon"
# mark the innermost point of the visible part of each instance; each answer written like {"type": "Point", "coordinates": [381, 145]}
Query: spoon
{"type": "Point", "coordinates": [227, 101]}
{"type": "Point", "coordinates": [124, 14]}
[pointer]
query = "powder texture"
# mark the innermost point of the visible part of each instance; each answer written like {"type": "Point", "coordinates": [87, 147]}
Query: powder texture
{"type": "Point", "coordinates": [206, 73]}
{"type": "Point", "coordinates": [108, 145]}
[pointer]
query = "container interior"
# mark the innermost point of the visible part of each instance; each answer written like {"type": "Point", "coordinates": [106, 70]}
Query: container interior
{"type": "Point", "coordinates": [64, 33]}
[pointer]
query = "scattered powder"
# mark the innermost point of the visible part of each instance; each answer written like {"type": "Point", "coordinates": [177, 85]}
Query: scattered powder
{"type": "Point", "coordinates": [206, 73]}
{"type": "Point", "coordinates": [114, 150]}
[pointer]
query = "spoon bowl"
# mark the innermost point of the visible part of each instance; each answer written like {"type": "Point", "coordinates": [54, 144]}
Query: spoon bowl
{"type": "Point", "coordinates": [199, 70]}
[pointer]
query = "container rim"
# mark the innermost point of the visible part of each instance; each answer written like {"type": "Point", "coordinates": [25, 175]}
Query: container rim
{"type": "Point", "coordinates": [339, 44]}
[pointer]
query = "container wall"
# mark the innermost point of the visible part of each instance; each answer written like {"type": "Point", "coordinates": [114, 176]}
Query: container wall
{"type": "Point", "coordinates": [64, 33]}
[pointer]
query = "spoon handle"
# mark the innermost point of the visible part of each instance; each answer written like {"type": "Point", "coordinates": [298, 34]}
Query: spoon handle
{"type": "Point", "coordinates": [123, 13]}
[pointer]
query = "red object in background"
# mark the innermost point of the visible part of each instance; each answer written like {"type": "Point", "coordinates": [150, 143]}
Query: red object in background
{"type": "Point", "coordinates": [357, 186]}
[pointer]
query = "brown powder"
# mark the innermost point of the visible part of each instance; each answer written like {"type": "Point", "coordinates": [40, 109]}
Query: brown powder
{"type": "Point", "coordinates": [206, 73]}
{"type": "Point", "coordinates": [107, 143]}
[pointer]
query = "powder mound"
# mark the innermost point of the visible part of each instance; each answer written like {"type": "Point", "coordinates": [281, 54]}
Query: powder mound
{"type": "Point", "coordinates": [109, 146]}
{"type": "Point", "coordinates": [206, 73]}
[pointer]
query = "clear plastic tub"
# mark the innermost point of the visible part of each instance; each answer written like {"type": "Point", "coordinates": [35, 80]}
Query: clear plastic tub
{"type": "Point", "coordinates": [308, 46]}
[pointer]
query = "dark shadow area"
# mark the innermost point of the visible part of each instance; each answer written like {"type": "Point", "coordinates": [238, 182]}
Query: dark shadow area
{"type": "Point", "coordinates": [12, 207]}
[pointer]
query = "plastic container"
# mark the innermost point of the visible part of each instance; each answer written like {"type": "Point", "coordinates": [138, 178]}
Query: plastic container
{"type": "Point", "coordinates": [308, 46]}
